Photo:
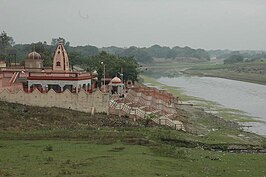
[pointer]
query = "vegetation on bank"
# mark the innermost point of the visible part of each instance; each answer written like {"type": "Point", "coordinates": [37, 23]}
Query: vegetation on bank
{"type": "Point", "coordinates": [253, 72]}
{"type": "Point", "coordinates": [249, 55]}
{"type": "Point", "coordinates": [59, 142]}
{"type": "Point", "coordinates": [234, 59]}
{"type": "Point", "coordinates": [247, 71]}
{"type": "Point", "coordinates": [124, 67]}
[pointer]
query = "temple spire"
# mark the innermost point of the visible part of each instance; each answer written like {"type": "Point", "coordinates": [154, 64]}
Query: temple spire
{"type": "Point", "coordinates": [60, 61]}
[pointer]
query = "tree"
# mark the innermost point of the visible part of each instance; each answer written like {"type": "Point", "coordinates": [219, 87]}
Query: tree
{"type": "Point", "coordinates": [6, 41]}
{"type": "Point", "coordinates": [45, 51]}
{"type": "Point", "coordinates": [234, 59]}
{"type": "Point", "coordinates": [140, 54]}
{"type": "Point", "coordinates": [75, 58]}
{"type": "Point", "coordinates": [85, 51]}
{"type": "Point", "coordinates": [55, 40]}
{"type": "Point", "coordinates": [113, 66]}
{"type": "Point", "coordinates": [146, 121]}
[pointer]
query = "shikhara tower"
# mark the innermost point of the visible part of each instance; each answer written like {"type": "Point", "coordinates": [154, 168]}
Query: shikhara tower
{"type": "Point", "coordinates": [60, 61]}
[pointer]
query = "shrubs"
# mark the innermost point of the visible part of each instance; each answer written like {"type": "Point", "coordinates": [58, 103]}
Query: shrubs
{"type": "Point", "coordinates": [234, 59]}
{"type": "Point", "coordinates": [48, 148]}
{"type": "Point", "coordinates": [263, 143]}
{"type": "Point", "coordinates": [169, 151]}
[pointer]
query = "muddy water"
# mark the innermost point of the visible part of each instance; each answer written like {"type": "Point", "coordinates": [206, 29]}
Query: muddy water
{"type": "Point", "coordinates": [247, 97]}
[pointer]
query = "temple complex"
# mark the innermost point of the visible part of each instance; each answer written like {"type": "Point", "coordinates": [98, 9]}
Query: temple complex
{"type": "Point", "coordinates": [59, 86]}
{"type": "Point", "coordinates": [59, 77]}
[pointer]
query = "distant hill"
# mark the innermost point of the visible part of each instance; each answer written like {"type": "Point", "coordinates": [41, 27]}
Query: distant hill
{"type": "Point", "coordinates": [246, 54]}
{"type": "Point", "coordinates": [142, 55]}
{"type": "Point", "coordinates": [148, 54]}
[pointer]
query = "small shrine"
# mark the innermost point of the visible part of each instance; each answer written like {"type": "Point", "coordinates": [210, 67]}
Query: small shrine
{"type": "Point", "coordinates": [116, 87]}
{"type": "Point", "coordinates": [33, 61]}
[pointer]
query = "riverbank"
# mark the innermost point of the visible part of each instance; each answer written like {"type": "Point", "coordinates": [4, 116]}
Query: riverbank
{"type": "Point", "coordinates": [59, 142]}
{"type": "Point", "coordinates": [254, 72]}
{"type": "Point", "coordinates": [206, 105]}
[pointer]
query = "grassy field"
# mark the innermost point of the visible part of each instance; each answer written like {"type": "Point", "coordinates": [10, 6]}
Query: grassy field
{"type": "Point", "coordinates": [57, 142]}
{"type": "Point", "coordinates": [80, 158]}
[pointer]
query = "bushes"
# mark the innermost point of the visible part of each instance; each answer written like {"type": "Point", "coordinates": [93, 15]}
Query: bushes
{"type": "Point", "coordinates": [169, 151]}
{"type": "Point", "coordinates": [234, 59]}
{"type": "Point", "coordinates": [48, 148]}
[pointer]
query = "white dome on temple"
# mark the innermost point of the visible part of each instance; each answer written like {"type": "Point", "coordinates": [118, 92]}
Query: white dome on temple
{"type": "Point", "coordinates": [34, 55]}
{"type": "Point", "coordinates": [115, 80]}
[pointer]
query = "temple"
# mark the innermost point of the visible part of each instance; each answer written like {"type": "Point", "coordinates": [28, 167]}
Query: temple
{"type": "Point", "coordinates": [59, 77]}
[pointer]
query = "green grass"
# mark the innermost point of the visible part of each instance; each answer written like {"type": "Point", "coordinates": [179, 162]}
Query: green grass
{"type": "Point", "coordinates": [225, 113]}
{"type": "Point", "coordinates": [109, 151]}
{"type": "Point", "coordinates": [80, 158]}
{"type": "Point", "coordinates": [58, 142]}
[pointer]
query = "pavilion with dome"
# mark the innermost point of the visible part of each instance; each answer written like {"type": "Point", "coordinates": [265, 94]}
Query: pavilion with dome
{"type": "Point", "coordinates": [116, 87]}
{"type": "Point", "coordinates": [34, 60]}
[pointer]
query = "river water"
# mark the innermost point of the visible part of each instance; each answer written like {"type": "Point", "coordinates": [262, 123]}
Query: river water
{"type": "Point", "coordinates": [243, 96]}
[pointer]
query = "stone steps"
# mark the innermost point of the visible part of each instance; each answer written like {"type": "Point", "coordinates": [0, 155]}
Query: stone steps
{"type": "Point", "coordinates": [140, 113]}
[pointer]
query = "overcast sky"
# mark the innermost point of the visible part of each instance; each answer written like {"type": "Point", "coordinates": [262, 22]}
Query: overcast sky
{"type": "Point", "coordinates": [207, 24]}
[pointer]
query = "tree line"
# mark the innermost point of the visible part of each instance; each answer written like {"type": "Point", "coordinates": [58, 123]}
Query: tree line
{"type": "Point", "coordinates": [147, 54]}
{"type": "Point", "coordinates": [88, 57]}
